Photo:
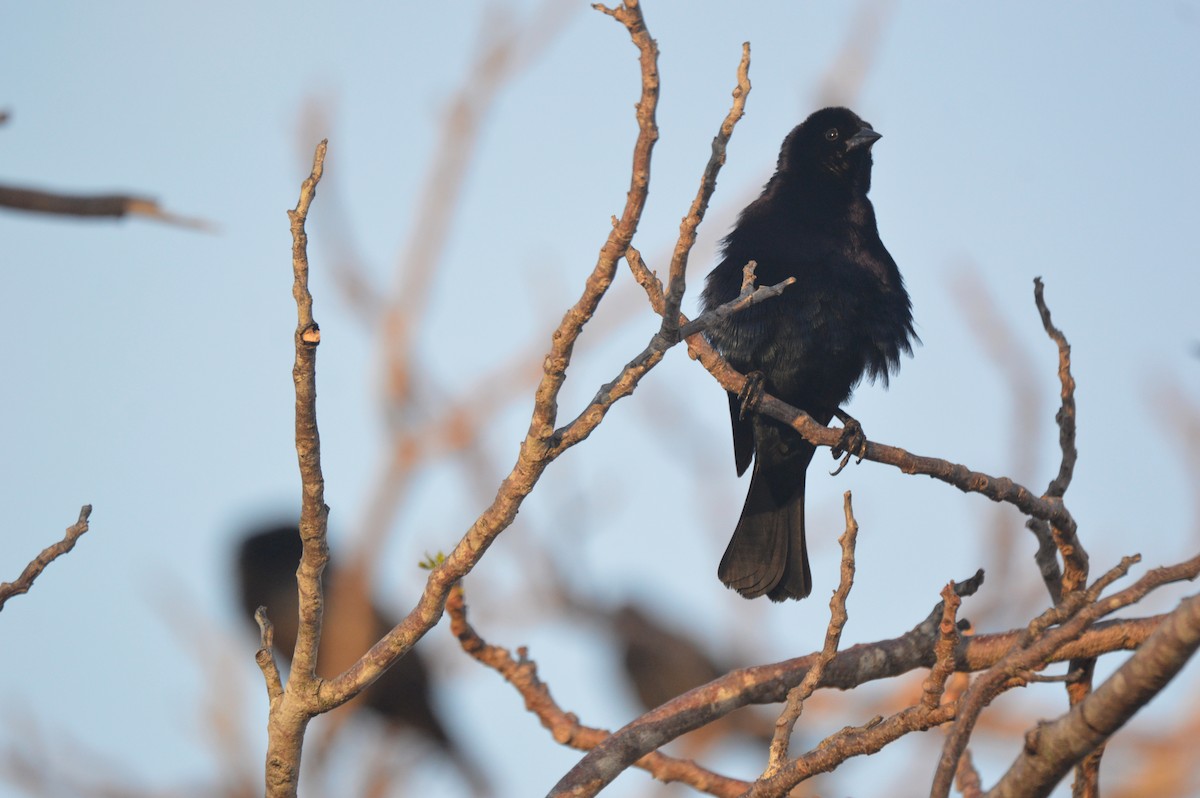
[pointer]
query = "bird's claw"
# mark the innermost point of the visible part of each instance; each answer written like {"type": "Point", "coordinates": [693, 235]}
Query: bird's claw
{"type": "Point", "coordinates": [853, 443]}
{"type": "Point", "coordinates": [751, 394]}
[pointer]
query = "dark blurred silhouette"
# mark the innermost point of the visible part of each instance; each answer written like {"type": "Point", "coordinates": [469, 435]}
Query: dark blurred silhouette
{"type": "Point", "coordinates": [267, 559]}
{"type": "Point", "coordinates": [663, 663]}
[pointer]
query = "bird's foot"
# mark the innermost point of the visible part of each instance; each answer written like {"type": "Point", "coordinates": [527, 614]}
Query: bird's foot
{"type": "Point", "coordinates": [751, 394]}
{"type": "Point", "coordinates": [853, 442]}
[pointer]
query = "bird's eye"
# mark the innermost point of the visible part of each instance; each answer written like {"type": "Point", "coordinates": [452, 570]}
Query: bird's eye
{"type": "Point", "coordinates": [831, 134]}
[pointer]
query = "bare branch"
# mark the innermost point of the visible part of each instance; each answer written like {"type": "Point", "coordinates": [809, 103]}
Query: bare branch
{"type": "Point", "coordinates": [851, 742]}
{"type": "Point", "coordinates": [1000, 342]}
{"type": "Point", "coordinates": [944, 649]}
{"type": "Point", "coordinates": [885, 659]}
{"type": "Point", "coordinates": [546, 398]}
{"type": "Point", "coordinates": [542, 443]}
{"type": "Point", "coordinates": [1046, 557]}
{"type": "Point", "coordinates": [1000, 489]}
{"type": "Point", "coordinates": [48, 555]}
{"type": "Point", "coordinates": [424, 423]}
{"type": "Point", "coordinates": [265, 656]}
{"type": "Point", "coordinates": [751, 296]}
{"type": "Point", "coordinates": [1052, 748]}
{"type": "Point", "coordinates": [1074, 556]}
{"type": "Point", "coordinates": [868, 739]}
{"type": "Point", "coordinates": [1066, 414]}
{"type": "Point", "coordinates": [292, 707]}
{"type": "Point", "coordinates": [625, 382]}
{"type": "Point", "coordinates": [1041, 644]}
{"type": "Point", "coordinates": [762, 684]}
{"type": "Point", "coordinates": [113, 206]}
{"type": "Point", "coordinates": [313, 511]}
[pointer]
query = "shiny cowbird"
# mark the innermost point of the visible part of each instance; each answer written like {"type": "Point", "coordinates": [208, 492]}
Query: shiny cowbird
{"type": "Point", "coordinates": [846, 316]}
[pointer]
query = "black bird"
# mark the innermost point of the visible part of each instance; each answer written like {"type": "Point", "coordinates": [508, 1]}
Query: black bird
{"type": "Point", "coordinates": [267, 558]}
{"type": "Point", "coordinates": [847, 316]}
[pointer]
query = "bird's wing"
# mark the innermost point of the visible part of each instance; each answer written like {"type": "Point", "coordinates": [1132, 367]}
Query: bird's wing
{"type": "Point", "coordinates": [743, 435]}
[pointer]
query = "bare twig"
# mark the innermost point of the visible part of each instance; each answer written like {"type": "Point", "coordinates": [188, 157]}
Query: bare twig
{"type": "Point", "coordinates": [292, 707]}
{"type": "Point", "coordinates": [265, 656]}
{"type": "Point", "coordinates": [695, 215]}
{"type": "Point", "coordinates": [929, 712]}
{"type": "Point", "coordinates": [1066, 414]}
{"type": "Point", "coordinates": [48, 555]}
{"type": "Point", "coordinates": [625, 382]}
{"type": "Point", "coordinates": [947, 643]}
{"type": "Point", "coordinates": [113, 206]}
{"type": "Point", "coordinates": [313, 511]}
{"type": "Point", "coordinates": [999, 341]}
{"type": "Point", "coordinates": [786, 723]}
{"type": "Point", "coordinates": [1075, 559]}
{"type": "Point", "coordinates": [851, 742]}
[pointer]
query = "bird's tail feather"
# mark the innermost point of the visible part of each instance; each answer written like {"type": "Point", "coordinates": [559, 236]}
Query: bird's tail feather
{"type": "Point", "coordinates": [768, 554]}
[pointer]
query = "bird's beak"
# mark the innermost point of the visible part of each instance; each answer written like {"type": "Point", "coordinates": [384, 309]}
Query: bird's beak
{"type": "Point", "coordinates": [863, 138]}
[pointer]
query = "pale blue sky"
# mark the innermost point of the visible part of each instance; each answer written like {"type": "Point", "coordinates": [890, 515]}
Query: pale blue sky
{"type": "Point", "coordinates": [148, 368]}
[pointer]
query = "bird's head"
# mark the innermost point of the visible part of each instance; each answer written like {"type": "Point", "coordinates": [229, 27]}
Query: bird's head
{"type": "Point", "coordinates": [832, 142]}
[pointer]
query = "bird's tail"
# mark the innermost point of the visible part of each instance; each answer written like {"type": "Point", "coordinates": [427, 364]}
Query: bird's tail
{"type": "Point", "coordinates": [767, 554]}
